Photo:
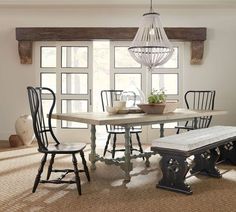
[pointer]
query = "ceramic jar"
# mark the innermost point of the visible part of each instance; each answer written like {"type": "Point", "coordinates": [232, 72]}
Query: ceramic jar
{"type": "Point", "coordinates": [24, 129]}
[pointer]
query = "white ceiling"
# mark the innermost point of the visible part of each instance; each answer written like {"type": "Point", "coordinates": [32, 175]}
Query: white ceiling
{"type": "Point", "coordinates": [120, 2]}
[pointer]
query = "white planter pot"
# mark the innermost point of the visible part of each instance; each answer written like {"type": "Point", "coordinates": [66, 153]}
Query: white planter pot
{"type": "Point", "coordinates": [24, 129]}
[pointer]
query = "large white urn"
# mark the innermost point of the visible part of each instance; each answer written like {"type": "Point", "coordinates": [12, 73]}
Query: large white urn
{"type": "Point", "coordinates": [24, 129]}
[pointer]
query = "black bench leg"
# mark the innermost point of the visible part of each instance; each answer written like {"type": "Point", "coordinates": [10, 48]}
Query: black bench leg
{"type": "Point", "coordinates": [174, 170]}
{"type": "Point", "coordinates": [205, 163]}
{"type": "Point", "coordinates": [228, 152]}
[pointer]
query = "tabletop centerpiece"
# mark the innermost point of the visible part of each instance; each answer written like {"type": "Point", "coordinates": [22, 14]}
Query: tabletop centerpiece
{"type": "Point", "coordinates": [157, 103]}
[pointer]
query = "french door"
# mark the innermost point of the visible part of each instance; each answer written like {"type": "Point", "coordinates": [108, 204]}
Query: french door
{"type": "Point", "coordinates": [66, 68]}
{"type": "Point", "coordinates": [78, 71]}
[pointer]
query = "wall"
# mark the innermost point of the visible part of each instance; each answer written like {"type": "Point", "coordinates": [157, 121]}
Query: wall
{"type": "Point", "coordinates": [217, 71]}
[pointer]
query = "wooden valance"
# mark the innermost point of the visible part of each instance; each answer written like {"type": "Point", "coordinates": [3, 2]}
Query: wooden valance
{"type": "Point", "coordinates": [27, 35]}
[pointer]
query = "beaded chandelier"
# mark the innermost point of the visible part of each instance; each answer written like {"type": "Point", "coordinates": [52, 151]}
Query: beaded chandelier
{"type": "Point", "coordinates": [151, 46]}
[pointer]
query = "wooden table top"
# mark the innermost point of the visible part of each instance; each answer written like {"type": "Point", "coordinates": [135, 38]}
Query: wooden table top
{"type": "Point", "coordinates": [103, 118]}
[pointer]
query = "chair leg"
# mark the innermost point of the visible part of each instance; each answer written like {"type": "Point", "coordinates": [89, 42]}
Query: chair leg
{"type": "Point", "coordinates": [131, 145]}
{"type": "Point", "coordinates": [139, 143]}
{"type": "Point", "coordinates": [38, 176]}
{"type": "Point", "coordinates": [177, 132]}
{"type": "Point", "coordinates": [76, 171]}
{"type": "Point", "coordinates": [85, 165]}
{"type": "Point", "coordinates": [50, 166]}
{"type": "Point", "coordinates": [114, 146]}
{"type": "Point", "coordinates": [107, 143]}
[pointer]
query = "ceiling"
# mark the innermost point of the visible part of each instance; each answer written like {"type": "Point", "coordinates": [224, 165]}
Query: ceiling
{"type": "Point", "coordinates": [120, 2]}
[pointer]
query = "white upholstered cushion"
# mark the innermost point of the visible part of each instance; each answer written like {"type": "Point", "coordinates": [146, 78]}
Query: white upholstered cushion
{"type": "Point", "coordinates": [195, 138]}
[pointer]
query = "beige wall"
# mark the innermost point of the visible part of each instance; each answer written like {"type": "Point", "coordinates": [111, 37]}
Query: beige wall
{"type": "Point", "coordinates": [218, 70]}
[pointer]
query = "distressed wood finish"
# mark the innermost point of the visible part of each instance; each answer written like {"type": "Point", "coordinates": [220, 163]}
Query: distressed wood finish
{"type": "Point", "coordinates": [204, 163]}
{"type": "Point", "coordinates": [25, 49]}
{"type": "Point", "coordinates": [127, 120]}
{"type": "Point", "coordinates": [174, 164]}
{"type": "Point", "coordinates": [196, 36]}
{"type": "Point", "coordinates": [228, 152]}
{"type": "Point", "coordinates": [197, 48]}
{"type": "Point", "coordinates": [111, 33]}
{"type": "Point", "coordinates": [103, 118]}
{"type": "Point", "coordinates": [174, 170]}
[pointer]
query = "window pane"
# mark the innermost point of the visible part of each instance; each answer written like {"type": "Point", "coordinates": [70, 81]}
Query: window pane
{"type": "Point", "coordinates": [127, 82]}
{"type": "Point", "coordinates": [48, 57]}
{"type": "Point", "coordinates": [123, 58]}
{"type": "Point", "coordinates": [101, 71]}
{"type": "Point", "coordinates": [168, 82]}
{"type": "Point", "coordinates": [46, 107]}
{"type": "Point", "coordinates": [74, 57]}
{"type": "Point", "coordinates": [74, 106]}
{"type": "Point", "coordinates": [74, 83]}
{"type": "Point", "coordinates": [173, 61]}
{"type": "Point", "coordinates": [48, 80]}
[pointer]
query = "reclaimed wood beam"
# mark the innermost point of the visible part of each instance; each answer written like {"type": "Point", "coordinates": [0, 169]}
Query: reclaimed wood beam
{"type": "Point", "coordinates": [195, 35]}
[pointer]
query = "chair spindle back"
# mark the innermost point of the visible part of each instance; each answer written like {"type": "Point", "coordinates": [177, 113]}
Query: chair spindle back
{"type": "Point", "coordinates": [37, 111]}
{"type": "Point", "coordinates": [200, 100]}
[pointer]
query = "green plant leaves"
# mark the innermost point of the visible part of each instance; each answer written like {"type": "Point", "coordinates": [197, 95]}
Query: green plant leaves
{"type": "Point", "coordinates": [157, 97]}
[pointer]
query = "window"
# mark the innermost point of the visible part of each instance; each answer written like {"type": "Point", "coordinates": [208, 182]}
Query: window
{"type": "Point", "coordinates": [48, 57]}
{"type": "Point", "coordinates": [74, 57]}
{"type": "Point", "coordinates": [123, 59]}
{"type": "Point", "coordinates": [78, 71]}
{"type": "Point", "coordinates": [169, 77]}
{"type": "Point", "coordinates": [126, 73]}
{"type": "Point", "coordinates": [74, 83]}
{"type": "Point", "coordinates": [66, 69]}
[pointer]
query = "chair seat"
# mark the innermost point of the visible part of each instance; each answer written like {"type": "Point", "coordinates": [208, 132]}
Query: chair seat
{"type": "Point", "coordinates": [122, 131]}
{"type": "Point", "coordinates": [64, 148]}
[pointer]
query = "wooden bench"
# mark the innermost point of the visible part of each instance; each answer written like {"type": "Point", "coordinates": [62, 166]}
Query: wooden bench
{"type": "Point", "coordinates": [207, 145]}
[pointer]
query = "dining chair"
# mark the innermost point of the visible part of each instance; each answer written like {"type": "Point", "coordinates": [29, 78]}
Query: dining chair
{"type": "Point", "coordinates": [108, 97]}
{"type": "Point", "coordinates": [43, 131]}
{"type": "Point", "coordinates": [198, 100]}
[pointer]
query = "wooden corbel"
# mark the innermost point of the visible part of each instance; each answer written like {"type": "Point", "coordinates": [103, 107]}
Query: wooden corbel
{"type": "Point", "coordinates": [197, 49]}
{"type": "Point", "coordinates": [25, 49]}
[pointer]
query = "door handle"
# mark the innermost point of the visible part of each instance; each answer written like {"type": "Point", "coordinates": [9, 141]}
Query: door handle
{"type": "Point", "coordinates": [90, 96]}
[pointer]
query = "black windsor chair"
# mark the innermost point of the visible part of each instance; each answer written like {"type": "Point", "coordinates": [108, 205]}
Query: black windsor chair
{"type": "Point", "coordinates": [198, 100]}
{"type": "Point", "coordinates": [43, 132]}
{"type": "Point", "coordinates": [108, 97]}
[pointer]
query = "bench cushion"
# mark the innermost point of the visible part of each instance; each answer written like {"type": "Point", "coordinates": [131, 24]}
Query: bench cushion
{"type": "Point", "coordinates": [195, 139]}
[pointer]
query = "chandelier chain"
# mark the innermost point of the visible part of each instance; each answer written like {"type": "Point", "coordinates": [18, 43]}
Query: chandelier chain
{"type": "Point", "coordinates": [151, 9]}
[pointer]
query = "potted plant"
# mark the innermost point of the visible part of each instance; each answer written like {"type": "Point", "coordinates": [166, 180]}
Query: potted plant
{"type": "Point", "coordinates": [157, 103]}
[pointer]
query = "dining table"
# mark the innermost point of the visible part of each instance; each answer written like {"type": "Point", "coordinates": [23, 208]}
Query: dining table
{"type": "Point", "coordinates": [128, 121]}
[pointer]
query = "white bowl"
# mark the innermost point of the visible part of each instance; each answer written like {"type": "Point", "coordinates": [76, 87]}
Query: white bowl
{"type": "Point", "coordinates": [111, 110]}
{"type": "Point", "coordinates": [119, 104]}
